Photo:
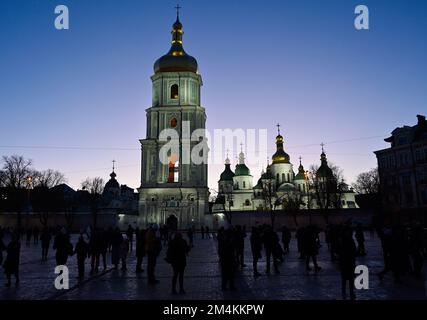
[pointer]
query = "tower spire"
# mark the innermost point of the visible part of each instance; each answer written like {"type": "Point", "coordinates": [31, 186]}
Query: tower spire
{"type": "Point", "coordinates": [178, 7]}
{"type": "Point", "coordinates": [278, 129]}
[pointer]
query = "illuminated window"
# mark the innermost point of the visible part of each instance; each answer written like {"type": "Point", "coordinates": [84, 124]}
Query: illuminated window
{"type": "Point", "coordinates": [174, 91]}
{"type": "Point", "coordinates": [174, 123]}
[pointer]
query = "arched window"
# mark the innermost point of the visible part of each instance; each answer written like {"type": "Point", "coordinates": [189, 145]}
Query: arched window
{"type": "Point", "coordinates": [174, 123]}
{"type": "Point", "coordinates": [174, 91]}
{"type": "Point", "coordinates": [173, 174]}
{"type": "Point", "coordinates": [283, 177]}
{"type": "Point", "coordinates": [244, 184]}
{"type": "Point", "coordinates": [277, 178]}
{"type": "Point", "coordinates": [289, 179]}
{"type": "Point", "coordinates": [247, 202]}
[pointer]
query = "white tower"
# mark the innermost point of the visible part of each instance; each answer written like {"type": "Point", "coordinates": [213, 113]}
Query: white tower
{"type": "Point", "coordinates": [177, 190]}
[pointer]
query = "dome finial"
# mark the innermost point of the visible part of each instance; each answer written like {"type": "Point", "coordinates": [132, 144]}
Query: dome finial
{"type": "Point", "coordinates": [300, 158]}
{"type": "Point", "coordinates": [322, 145]}
{"type": "Point", "coordinates": [178, 7]}
{"type": "Point", "coordinates": [278, 129]}
{"type": "Point", "coordinates": [114, 162]}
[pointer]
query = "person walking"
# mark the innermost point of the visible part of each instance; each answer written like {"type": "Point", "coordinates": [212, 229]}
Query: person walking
{"type": "Point", "coordinates": [153, 247]}
{"type": "Point", "coordinates": [311, 247]}
{"type": "Point", "coordinates": [347, 261]}
{"type": "Point", "coordinates": [11, 264]}
{"type": "Point", "coordinates": [190, 234]}
{"type": "Point", "coordinates": [124, 249]}
{"type": "Point", "coordinates": [286, 239]}
{"type": "Point", "coordinates": [129, 233]}
{"type": "Point", "coordinates": [140, 250]}
{"type": "Point", "coordinates": [256, 248]}
{"type": "Point", "coordinates": [228, 260]}
{"type": "Point", "coordinates": [116, 241]}
{"type": "Point", "coordinates": [45, 239]}
{"type": "Point", "coordinates": [360, 238]}
{"type": "Point", "coordinates": [81, 251]}
{"type": "Point", "coordinates": [63, 247]}
{"type": "Point", "coordinates": [177, 257]}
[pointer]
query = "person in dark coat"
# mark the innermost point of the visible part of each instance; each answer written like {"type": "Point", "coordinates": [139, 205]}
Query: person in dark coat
{"type": "Point", "coordinates": [177, 257]}
{"type": "Point", "coordinates": [153, 247]}
{"type": "Point", "coordinates": [347, 259]}
{"type": "Point", "coordinates": [45, 239]}
{"type": "Point", "coordinates": [190, 234]}
{"type": "Point", "coordinates": [240, 236]}
{"type": "Point", "coordinates": [116, 242]}
{"type": "Point", "coordinates": [256, 248]}
{"type": "Point", "coordinates": [63, 248]}
{"type": "Point", "coordinates": [228, 260]}
{"type": "Point", "coordinates": [286, 239]}
{"type": "Point", "coordinates": [270, 247]}
{"type": "Point", "coordinates": [124, 249]}
{"type": "Point", "coordinates": [11, 264]}
{"type": "Point", "coordinates": [36, 233]}
{"type": "Point", "coordinates": [360, 238]}
{"type": "Point", "coordinates": [29, 235]}
{"type": "Point", "coordinates": [129, 233]}
{"type": "Point", "coordinates": [311, 247]}
{"type": "Point", "coordinates": [140, 250]}
{"type": "Point", "coordinates": [81, 251]}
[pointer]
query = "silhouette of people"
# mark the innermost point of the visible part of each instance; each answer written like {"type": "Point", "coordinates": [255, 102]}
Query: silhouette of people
{"type": "Point", "coordinates": [256, 248]}
{"type": "Point", "coordinates": [240, 236]}
{"type": "Point", "coordinates": [286, 239]}
{"type": "Point", "coordinates": [45, 239]}
{"type": "Point", "coordinates": [202, 231]}
{"type": "Point", "coordinates": [311, 247]}
{"type": "Point", "coordinates": [81, 250]}
{"type": "Point", "coordinates": [140, 250]}
{"type": "Point", "coordinates": [416, 243]}
{"type": "Point", "coordinates": [190, 235]}
{"type": "Point", "coordinates": [95, 246]}
{"type": "Point", "coordinates": [177, 257]}
{"type": "Point", "coordinates": [270, 247]}
{"type": "Point", "coordinates": [386, 243]}
{"type": "Point", "coordinates": [228, 260]}
{"type": "Point", "coordinates": [116, 241]}
{"type": "Point", "coordinates": [153, 247]}
{"type": "Point", "coordinates": [124, 249]}
{"type": "Point", "coordinates": [11, 264]}
{"type": "Point", "coordinates": [63, 247]}
{"type": "Point", "coordinates": [360, 238]}
{"type": "Point", "coordinates": [299, 235]}
{"type": "Point", "coordinates": [129, 234]}
{"type": "Point", "coordinates": [347, 261]}
{"type": "Point", "coordinates": [36, 233]}
{"type": "Point", "coordinates": [29, 235]}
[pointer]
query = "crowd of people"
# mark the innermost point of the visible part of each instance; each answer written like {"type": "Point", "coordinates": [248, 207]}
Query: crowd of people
{"type": "Point", "coordinates": [404, 250]}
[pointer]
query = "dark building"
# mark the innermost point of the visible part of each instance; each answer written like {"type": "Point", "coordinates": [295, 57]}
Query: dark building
{"type": "Point", "coordinates": [403, 168]}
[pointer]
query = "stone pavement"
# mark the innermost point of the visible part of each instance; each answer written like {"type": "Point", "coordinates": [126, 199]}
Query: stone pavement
{"type": "Point", "coordinates": [203, 279]}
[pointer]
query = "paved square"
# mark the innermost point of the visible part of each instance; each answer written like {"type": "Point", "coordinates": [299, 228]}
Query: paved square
{"type": "Point", "coordinates": [203, 278]}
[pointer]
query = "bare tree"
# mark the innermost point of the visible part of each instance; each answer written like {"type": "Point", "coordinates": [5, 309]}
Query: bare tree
{"type": "Point", "coordinates": [48, 178]}
{"type": "Point", "coordinates": [95, 187]}
{"type": "Point", "coordinates": [328, 190]}
{"type": "Point", "coordinates": [268, 194]}
{"type": "Point", "coordinates": [16, 170]}
{"type": "Point", "coordinates": [367, 182]}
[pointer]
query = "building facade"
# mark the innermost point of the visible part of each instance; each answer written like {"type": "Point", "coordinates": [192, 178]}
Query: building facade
{"type": "Point", "coordinates": [175, 188]}
{"type": "Point", "coordinates": [402, 167]}
{"type": "Point", "coordinates": [279, 188]}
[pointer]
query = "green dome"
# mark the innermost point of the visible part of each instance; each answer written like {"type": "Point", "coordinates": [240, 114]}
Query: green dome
{"type": "Point", "coordinates": [242, 170]}
{"type": "Point", "coordinates": [227, 174]}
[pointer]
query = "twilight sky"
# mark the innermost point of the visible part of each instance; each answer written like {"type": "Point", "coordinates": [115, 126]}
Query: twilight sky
{"type": "Point", "coordinates": [75, 100]}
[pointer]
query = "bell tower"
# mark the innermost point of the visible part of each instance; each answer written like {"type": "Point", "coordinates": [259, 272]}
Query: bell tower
{"type": "Point", "coordinates": [177, 187]}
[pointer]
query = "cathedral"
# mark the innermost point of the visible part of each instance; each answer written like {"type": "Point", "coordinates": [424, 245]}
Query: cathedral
{"type": "Point", "coordinates": [174, 192]}
{"type": "Point", "coordinates": [279, 188]}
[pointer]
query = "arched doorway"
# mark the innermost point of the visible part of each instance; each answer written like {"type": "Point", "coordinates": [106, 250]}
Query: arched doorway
{"type": "Point", "coordinates": [172, 222]}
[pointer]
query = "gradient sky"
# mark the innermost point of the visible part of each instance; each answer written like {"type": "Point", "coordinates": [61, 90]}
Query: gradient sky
{"type": "Point", "coordinates": [300, 63]}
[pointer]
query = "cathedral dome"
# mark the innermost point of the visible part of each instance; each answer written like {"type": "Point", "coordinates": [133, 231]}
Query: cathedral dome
{"type": "Point", "coordinates": [112, 183]}
{"type": "Point", "coordinates": [280, 156]}
{"type": "Point", "coordinates": [324, 171]}
{"type": "Point", "coordinates": [242, 170]}
{"type": "Point", "coordinates": [227, 174]}
{"type": "Point", "coordinates": [176, 59]}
